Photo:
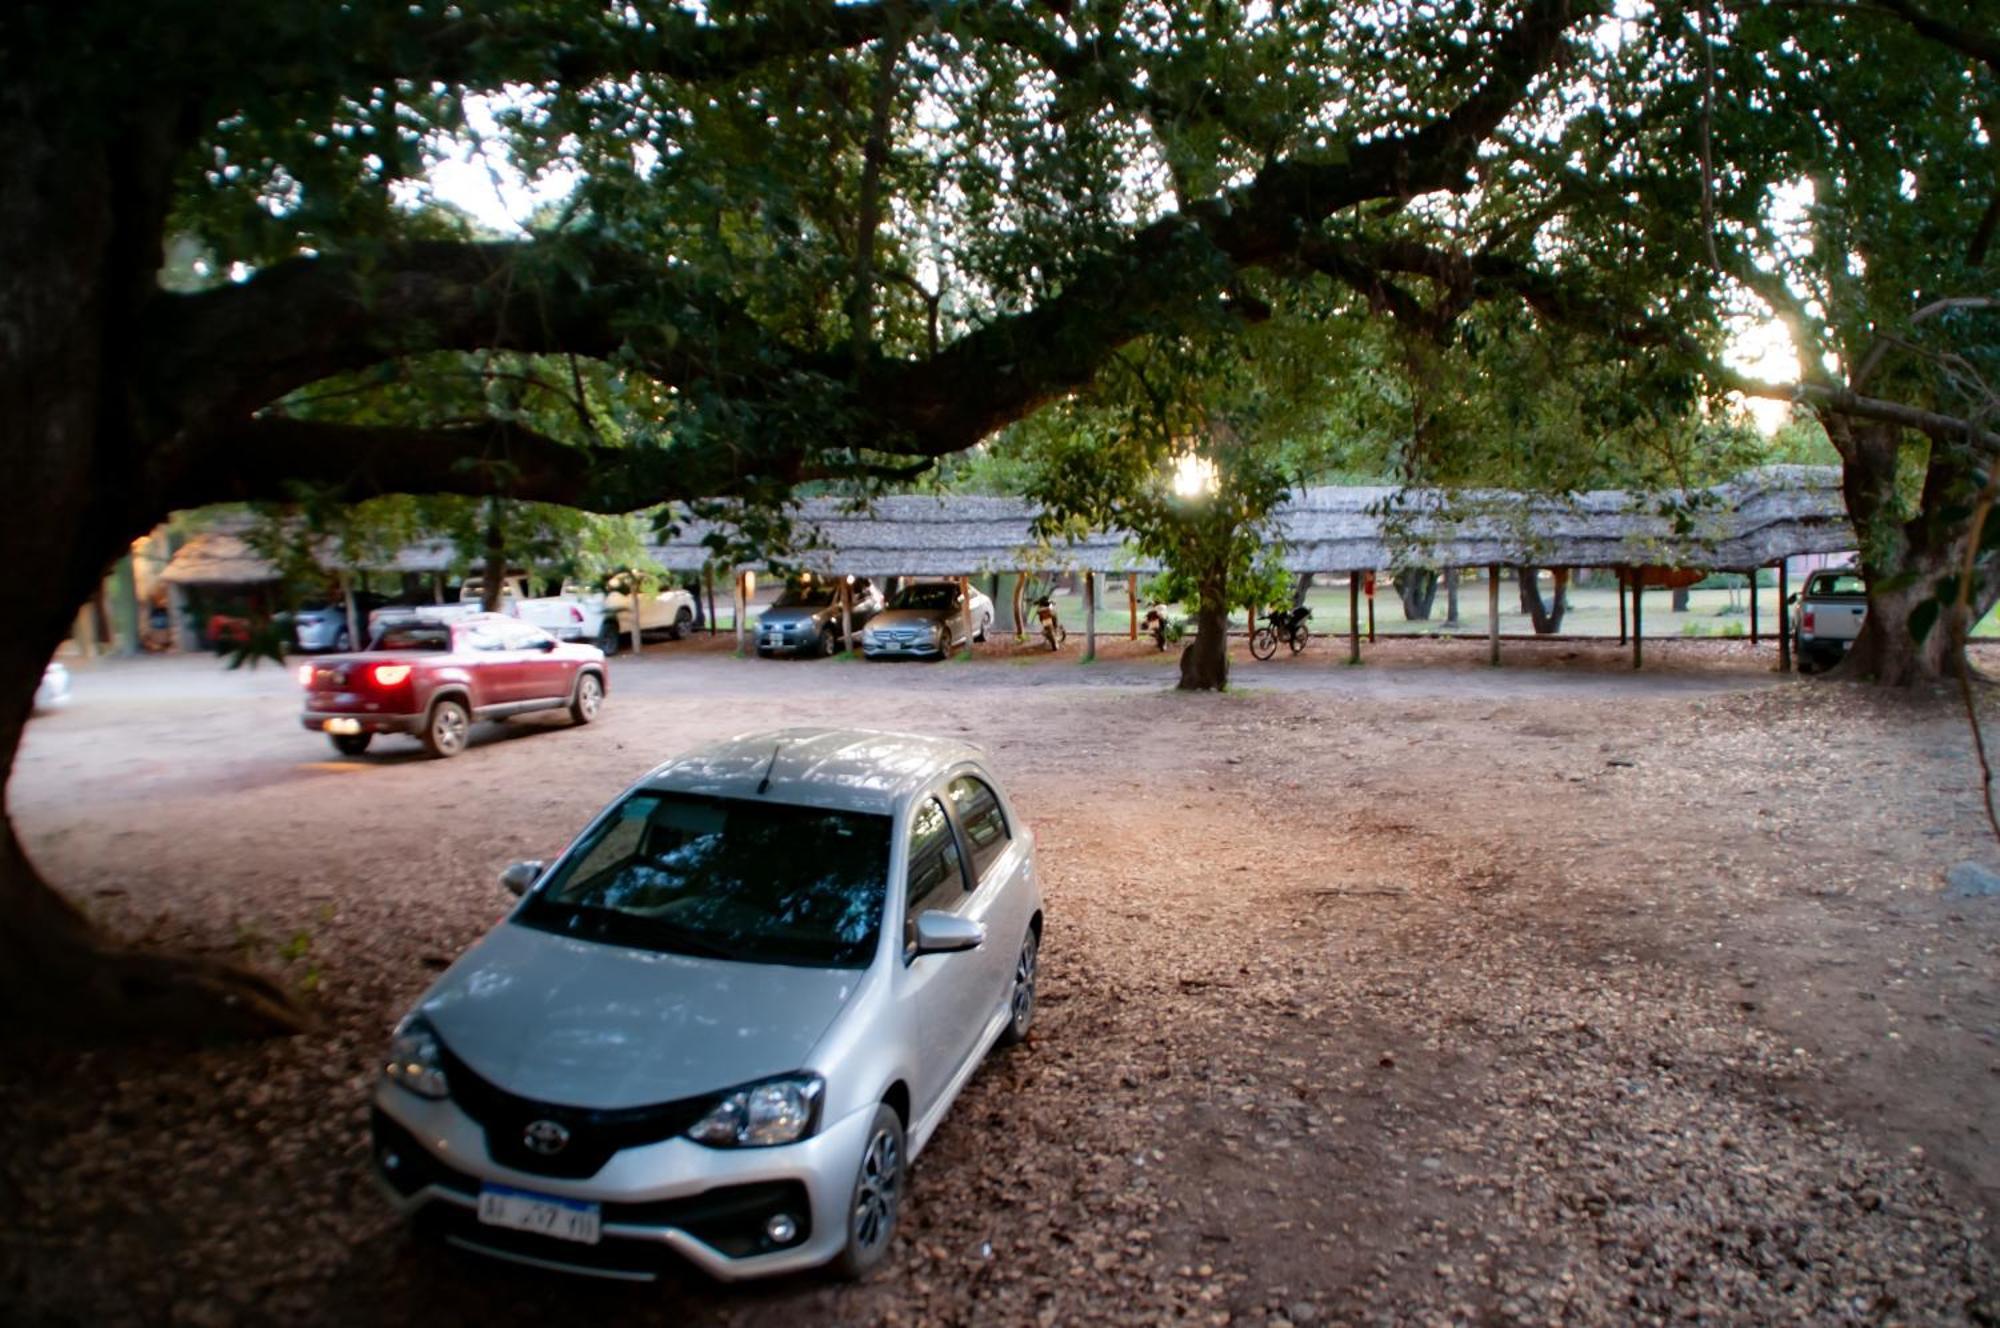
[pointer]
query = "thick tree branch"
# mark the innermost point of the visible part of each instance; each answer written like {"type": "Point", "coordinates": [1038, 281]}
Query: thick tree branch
{"type": "Point", "coordinates": [220, 356]}
{"type": "Point", "coordinates": [1840, 400]}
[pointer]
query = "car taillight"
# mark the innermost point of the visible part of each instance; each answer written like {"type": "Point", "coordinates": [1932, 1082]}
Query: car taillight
{"type": "Point", "coordinates": [305, 675]}
{"type": "Point", "coordinates": [1806, 623]}
{"type": "Point", "coordinates": [388, 675]}
{"type": "Point", "coordinates": [575, 614]}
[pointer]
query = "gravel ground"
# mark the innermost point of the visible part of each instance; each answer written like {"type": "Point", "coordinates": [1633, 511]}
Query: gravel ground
{"type": "Point", "coordinates": [1415, 993]}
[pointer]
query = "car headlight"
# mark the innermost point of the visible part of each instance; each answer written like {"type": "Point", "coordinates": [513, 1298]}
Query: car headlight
{"type": "Point", "coordinates": [777, 1111]}
{"type": "Point", "coordinates": [416, 1060]}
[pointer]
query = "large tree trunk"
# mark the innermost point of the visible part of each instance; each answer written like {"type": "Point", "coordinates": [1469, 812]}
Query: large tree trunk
{"type": "Point", "coordinates": [1300, 586]}
{"type": "Point", "coordinates": [1417, 588]}
{"type": "Point", "coordinates": [1205, 660]}
{"type": "Point", "coordinates": [1451, 597]}
{"type": "Point", "coordinates": [1548, 621]}
{"type": "Point", "coordinates": [71, 270]}
{"type": "Point", "coordinates": [1909, 562]}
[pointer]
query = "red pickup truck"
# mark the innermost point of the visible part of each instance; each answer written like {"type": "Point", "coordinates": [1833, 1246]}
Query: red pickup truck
{"type": "Point", "coordinates": [432, 678]}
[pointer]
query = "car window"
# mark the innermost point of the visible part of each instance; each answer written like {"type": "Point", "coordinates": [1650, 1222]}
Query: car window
{"type": "Point", "coordinates": [1843, 583]}
{"type": "Point", "coordinates": [930, 595]}
{"type": "Point", "coordinates": [979, 815]}
{"type": "Point", "coordinates": [523, 636]}
{"type": "Point", "coordinates": [730, 878]}
{"type": "Point", "coordinates": [412, 638]}
{"type": "Point", "coordinates": [936, 876]}
{"type": "Point", "coordinates": [481, 638]}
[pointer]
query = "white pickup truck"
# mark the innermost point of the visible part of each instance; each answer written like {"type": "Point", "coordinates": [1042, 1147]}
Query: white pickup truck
{"type": "Point", "coordinates": [562, 616]}
{"type": "Point", "coordinates": [668, 613]}
{"type": "Point", "coordinates": [575, 614]}
{"type": "Point", "coordinates": [1827, 616]}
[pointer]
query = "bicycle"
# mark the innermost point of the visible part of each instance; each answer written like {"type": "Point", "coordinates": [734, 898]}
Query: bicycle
{"type": "Point", "coordinates": [1287, 626]}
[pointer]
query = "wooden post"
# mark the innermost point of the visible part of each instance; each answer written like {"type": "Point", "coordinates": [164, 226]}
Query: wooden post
{"type": "Point", "coordinates": [1638, 619]}
{"type": "Point", "coordinates": [708, 580]}
{"type": "Point", "coordinates": [1753, 606]}
{"type": "Point", "coordinates": [1021, 607]}
{"type": "Point", "coordinates": [1371, 608]}
{"type": "Point", "coordinates": [437, 587]}
{"type": "Point", "coordinates": [1621, 604]}
{"type": "Point", "coordinates": [737, 607]}
{"type": "Point", "coordinates": [965, 598]}
{"type": "Point", "coordinates": [1784, 615]}
{"type": "Point", "coordinates": [355, 641]}
{"type": "Point", "coordinates": [1132, 605]}
{"type": "Point", "coordinates": [1089, 616]}
{"type": "Point", "coordinates": [846, 613]}
{"type": "Point", "coordinates": [1354, 617]}
{"type": "Point", "coordinates": [1493, 613]}
{"type": "Point", "coordinates": [632, 604]}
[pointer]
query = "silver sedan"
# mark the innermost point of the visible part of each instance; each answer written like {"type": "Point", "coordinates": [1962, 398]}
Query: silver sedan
{"type": "Point", "coordinates": [725, 1021]}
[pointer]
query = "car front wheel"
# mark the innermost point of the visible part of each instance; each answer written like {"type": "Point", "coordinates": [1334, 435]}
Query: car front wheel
{"type": "Point", "coordinates": [877, 1200]}
{"type": "Point", "coordinates": [449, 727]}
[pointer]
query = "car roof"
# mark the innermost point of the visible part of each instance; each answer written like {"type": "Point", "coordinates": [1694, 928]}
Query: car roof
{"type": "Point", "coordinates": [852, 769]}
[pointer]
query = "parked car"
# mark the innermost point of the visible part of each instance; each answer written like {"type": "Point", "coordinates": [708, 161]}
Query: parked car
{"type": "Point", "coordinates": [726, 1020]}
{"type": "Point", "coordinates": [805, 619]}
{"type": "Point", "coordinates": [433, 677]}
{"type": "Point", "coordinates": [53, 692]}
{"type": "Point", "coordinates": [564, 617]}
{"type": "Point", "coordinates": [322, 624]}
{"type": "Point", "coordinates": [1827, 616]}
{"type": "Point", "coordinates": [669, 612]}
{"type": "Point", "coordinates": [927, 620]}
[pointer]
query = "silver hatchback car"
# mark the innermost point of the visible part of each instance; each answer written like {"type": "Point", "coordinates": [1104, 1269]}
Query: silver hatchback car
{"type": "Point", "coordinates": [725, 1021]}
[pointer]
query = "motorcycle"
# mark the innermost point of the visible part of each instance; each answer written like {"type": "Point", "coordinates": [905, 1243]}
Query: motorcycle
{"type": "Point", "coordinates": [1162, 629]}
{"type": "Point", "coordinates": [1288, 625]}
{"type": "Point", "coordinates": [1053, 631]}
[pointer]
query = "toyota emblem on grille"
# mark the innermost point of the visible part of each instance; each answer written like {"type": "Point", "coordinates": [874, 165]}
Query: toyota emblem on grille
{"type": "Point", "coordinates": [546, 1137]}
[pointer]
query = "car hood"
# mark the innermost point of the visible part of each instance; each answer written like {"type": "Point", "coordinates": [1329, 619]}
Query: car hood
{"type": "Point", "coordinates": [791, 613]}
{"type": "Point", "coordinates": [578, 1023]}
{"type": "Point", "coordinates": [909, 617]}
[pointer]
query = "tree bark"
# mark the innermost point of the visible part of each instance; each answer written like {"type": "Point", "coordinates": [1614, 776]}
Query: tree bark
{"type": "Point", "coordinates": [1417, 588]}
{"type": "Point", "coordinates": [1205, 660]}
{"type": "Point", "coordinates": [69, 267]}
{"type": "Point", "coordinates": [1908, 561]}
{"type": "Point", "coordinates": [1300, 586]}
{"type": "Point", "coordinates": [1547, 620]}
{"type": "Point", "coordinates": [1451, 597]}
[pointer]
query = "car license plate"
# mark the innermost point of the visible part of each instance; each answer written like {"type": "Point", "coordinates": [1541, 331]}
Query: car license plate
{"type": "Point", "coordinates": [343, 726]}
{"type": "Point", "coordinates": [543, 1214]}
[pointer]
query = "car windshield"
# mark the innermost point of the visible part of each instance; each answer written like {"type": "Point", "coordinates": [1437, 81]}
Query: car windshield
{"type": "Point", "coordinates": [412, 638]}
{"type": "Point", "coordinates": [729, 878]}
{"type": "Point", "coordinates": [932, 596]}
{"type": "Point", "coordinates": [804, 597]}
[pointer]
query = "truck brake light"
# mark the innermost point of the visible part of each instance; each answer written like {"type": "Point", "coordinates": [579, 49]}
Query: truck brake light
{"type": "Point", "coordinates": [388, 675]}
{"type": "Point", "coordinates": [1806, 622]}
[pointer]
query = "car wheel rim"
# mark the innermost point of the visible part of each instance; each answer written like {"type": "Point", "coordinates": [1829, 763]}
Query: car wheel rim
{"type": "Point", "coordinates": [590, 698]}
{"type": "Point", "coordinates": [449, 728]}
{"type": "Point", "coordinates": [1024, 984]}
{"type": "Point", "coordinates": [880, 1190]}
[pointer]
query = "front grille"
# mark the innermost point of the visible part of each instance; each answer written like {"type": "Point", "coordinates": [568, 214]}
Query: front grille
{"type": "Point", "coordinates": [594, 1133]}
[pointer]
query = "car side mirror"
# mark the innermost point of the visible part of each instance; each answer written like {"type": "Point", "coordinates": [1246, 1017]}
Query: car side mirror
{"type": "Point", "coordinates": [546, 644]}
{"type": "Point", "coordinates": [1793, 598]}
{"type": "Point", "coordinates": [947, 933]}
{"type": "Point", "coordinates": [521, 876]}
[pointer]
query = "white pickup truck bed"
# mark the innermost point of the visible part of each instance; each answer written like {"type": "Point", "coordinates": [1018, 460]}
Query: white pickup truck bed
{"type": "Point", "coordinates": [1828, 616]}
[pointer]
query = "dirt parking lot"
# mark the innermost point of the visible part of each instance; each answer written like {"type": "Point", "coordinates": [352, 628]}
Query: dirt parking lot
{"type": "Point", "coordinates": [1415, 993]}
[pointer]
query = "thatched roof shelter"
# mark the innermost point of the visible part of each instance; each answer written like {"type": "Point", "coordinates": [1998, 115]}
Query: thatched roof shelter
{"type": "Point", "coordinates": [1763, 515]}
{"type": "Point", "coordinates": [222, 557]}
